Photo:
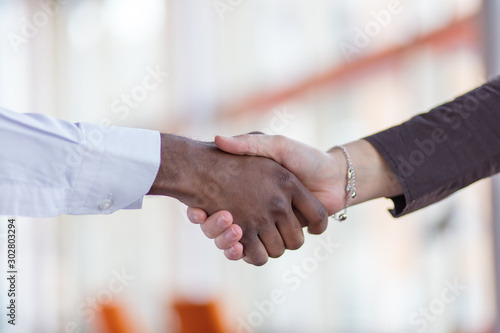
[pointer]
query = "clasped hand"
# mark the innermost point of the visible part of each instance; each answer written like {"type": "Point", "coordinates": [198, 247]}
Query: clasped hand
{"type": "Point", "coordinates": [271, 193]}
{"type": "Point", "coordinates": [268, 204]}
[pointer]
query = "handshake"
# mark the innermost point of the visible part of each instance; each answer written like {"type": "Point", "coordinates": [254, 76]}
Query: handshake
{"type": "Point", "coordinates": [255, 193]}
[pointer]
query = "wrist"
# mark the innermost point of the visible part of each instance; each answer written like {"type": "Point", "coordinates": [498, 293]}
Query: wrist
{"type": "Point", "coordinates": [176, 174]}
{"type": "Point", "coordinates": [374, 178]}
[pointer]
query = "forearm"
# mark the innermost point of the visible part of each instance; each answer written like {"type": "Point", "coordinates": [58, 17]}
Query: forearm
{"type": "Point", "coordinates": [374, 177]}
{"type": "Point", "coordinates": [52, 167]}
{"type": "Point", "coordinates": [437, 153]}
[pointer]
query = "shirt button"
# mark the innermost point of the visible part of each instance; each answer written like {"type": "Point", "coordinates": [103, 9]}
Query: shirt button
{"type": "Point", "coordinates": [105, 204]}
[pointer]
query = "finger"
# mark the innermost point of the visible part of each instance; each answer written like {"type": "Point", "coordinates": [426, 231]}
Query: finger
{"type": "Point", "coordinates": [235, 252]}
{"type": "Point", "coordinates": [255, 252]}
{"type": "Point", "coordinates": [273, 241]}
{"type": "Point", "coordinates": [270, 146]}
{"type": "Point", "coordinates": [311, 209]}
{"type": "Point", "coordinates": [196, 215]}
{"type": "Point", "coordinates": [302, 220]}
{"type": "Point", "coordinates": [217, 223]}
{"type": "Point", "coordinates": [229, 237]}
{"type": "Point", "coordinates": [291, 232]}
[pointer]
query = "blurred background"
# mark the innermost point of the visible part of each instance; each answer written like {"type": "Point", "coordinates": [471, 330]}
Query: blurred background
{"type": "Point", "coordinates": [322, 72]}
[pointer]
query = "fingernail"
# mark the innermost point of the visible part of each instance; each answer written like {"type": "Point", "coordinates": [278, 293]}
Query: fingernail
{"type": "Point", "coordinates": [222, 222]}
{"type": "Point", "coordinates": [196, 218]}
{"type": "Point", "coordinates": [232, 235]}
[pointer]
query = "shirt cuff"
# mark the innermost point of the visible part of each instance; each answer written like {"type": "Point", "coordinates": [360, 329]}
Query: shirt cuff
{"type": "Point", "coordinates": [118, 168]}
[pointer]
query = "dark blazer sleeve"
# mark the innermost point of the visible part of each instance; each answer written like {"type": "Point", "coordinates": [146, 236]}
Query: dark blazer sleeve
{"type": "Point", "coordinates": [437, 153]}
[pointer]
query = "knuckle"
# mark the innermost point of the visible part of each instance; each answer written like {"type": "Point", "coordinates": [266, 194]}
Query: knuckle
{"type": "Point", "coordinates": [321, 221]}
{"type": "Point", "coordinates": [316, 230]}
{"type": "Point", "coordinates": [275, 246]}
{"type": "Point", "coordinates": [260, 261]}
{"type": "Point", "coordinates": [278, 206]}
{"type": "Point", "coordinates": [296, 243]}
{"type": "Point", "coordinates": [250, 244]}
{"type": "Point", "coordinates": [322, 214]}
{"type": "Point", "coordinates": [249, 147]}
{"type": "Point", "coordinates": [277, 254]}
{"type": "Point", "coordinates": [279, 139]}
{"type": "Point", "coordinates": [285, 178]}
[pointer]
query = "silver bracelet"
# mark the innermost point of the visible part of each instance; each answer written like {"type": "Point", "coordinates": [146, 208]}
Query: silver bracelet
{"type": "Point", "coordinates": [350, 188]}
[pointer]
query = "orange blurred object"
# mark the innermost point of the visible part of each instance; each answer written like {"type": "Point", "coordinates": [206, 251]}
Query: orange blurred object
{"type": "Point", "coordinates": [199, 318]}
{"type": "Point", "coordinates": [115, 319]}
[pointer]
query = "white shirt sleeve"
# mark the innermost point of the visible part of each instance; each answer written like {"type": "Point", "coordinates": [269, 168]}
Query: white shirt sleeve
{"type": "Point", "coordinates": [50, 167]}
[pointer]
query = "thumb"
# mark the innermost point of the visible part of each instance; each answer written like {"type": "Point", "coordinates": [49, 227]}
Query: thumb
{"type": "Point", "coordinates": [252, 145]}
